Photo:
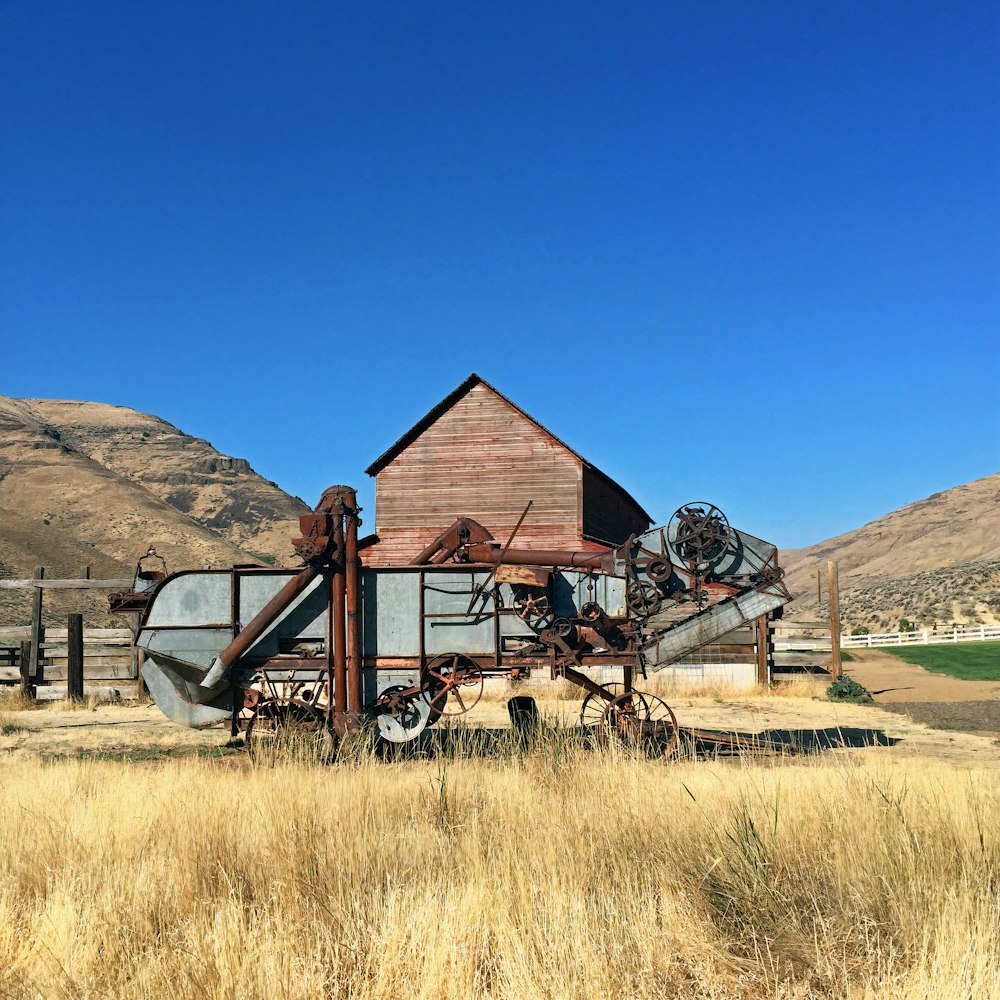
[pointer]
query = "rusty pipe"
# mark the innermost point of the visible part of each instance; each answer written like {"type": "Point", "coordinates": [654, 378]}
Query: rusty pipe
{"type": "Point", "coordinates": [258, 625]}
{"type": "Point", "coordinates": [352, 587]}
{"type": "Point", "coordinates": [602, 561]}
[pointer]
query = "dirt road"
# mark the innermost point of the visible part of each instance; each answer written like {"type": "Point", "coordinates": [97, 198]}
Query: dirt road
{"type": "Point", "coordinates": [892, 679]}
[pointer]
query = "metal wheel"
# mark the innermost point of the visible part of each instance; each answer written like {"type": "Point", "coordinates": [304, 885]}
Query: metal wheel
{"type": "Point", "coordinates": [642, 597]}
{"type": "Point", "coordinates": [280, 724]}
{"type": "Point", "coordinates": [641, 720]}
{"type": "Point", "coordinates": [592, 709]}
{"type": "Point", "coordinates": [535, 609]}
{"type": "Point", "coordinates": [700, 532]}
{"type": "Point", "coordinates": [401, 717]}
{"type": "Point", "coordinates": [659, 570]}
{"type": "Point", "coordinates": [451, 678]}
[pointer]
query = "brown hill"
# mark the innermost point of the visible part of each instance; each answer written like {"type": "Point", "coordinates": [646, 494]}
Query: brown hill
{"type": "Point", "coordinates": [930, 560]}
{"type": "Point", "coordinates": [89, 484]}
{"type": "Point", "coordinates": [220, 493]}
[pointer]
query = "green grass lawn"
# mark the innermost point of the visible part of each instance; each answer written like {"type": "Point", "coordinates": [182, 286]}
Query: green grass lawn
{"type": "Point", "coordinates": [969, 661]}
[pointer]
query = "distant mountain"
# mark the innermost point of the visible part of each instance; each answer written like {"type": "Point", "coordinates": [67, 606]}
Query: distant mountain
{"type": "Point", "coordinates": [93, 484]}
{"type": "Point", "coordinates": [936, 560]}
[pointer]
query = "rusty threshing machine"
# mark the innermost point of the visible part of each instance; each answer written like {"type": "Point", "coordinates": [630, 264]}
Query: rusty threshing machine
{"type": "Point", "coordinates": [335, 645]}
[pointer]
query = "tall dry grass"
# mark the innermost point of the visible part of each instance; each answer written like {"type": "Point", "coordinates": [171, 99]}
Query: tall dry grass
{"type": "Point", "coordinates": [553, 872]}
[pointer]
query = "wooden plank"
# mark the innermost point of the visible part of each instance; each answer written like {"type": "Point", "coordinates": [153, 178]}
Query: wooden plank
{"type": "Point", "coordinates": [37, 630]}
{"type": "Point", "coordinates": [24, 666]}
{"type": "Point", "coordinates": [112, 635]}
{"type": "Point", "coordinates": [103, 659]}
{"type": "Point", "coordinates": [40, 584]}
{"type": "Point", "coordinates": [92, 672]}
{"type": "Point", "coordinates": [74, 660]}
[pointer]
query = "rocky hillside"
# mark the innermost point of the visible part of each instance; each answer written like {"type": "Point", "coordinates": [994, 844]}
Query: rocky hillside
{"type": "Point", "coordinates": [95, 485]}
{"type": "Point", "coordinates": [931, 561]}
{"type": "Point", "coordinates": [220, 493]}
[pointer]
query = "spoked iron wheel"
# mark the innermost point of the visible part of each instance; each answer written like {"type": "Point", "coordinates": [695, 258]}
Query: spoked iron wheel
{"type": "Point", "coordinates": [643, 598]}
{"type": "Point", "coordinates": [451, 679]}
{"type": "Point", "coordinates": [641, 720]}
{"type": "Point", "coordinates": [592, 709]}
{"type": "Point", "coordinates": [534, 608]}
{"type": "Point", "coordinates": [279, 726]}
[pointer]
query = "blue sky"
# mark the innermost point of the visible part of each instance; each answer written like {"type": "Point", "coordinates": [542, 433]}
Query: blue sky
{"type": "Point", "coordinates": [728, 251]}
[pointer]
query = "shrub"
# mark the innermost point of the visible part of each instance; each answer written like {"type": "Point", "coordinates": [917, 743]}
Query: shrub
{"type": "Point", "coordinates": [846, 688]}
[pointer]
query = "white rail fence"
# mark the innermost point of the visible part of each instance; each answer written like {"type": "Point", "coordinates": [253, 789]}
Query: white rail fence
{"type": "Point", "coordinates": [921, 637]}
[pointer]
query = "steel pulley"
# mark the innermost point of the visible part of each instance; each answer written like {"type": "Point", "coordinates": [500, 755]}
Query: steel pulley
{"type": "Point", "coordinates": [700, 534]}
{"type": "Point", "coordinates": [402, 713]}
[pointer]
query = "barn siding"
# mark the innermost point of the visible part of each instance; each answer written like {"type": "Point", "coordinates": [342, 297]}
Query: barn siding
{"type": "Point", "coordinates": [484, 458]}
{"type": "Point", "coordinates": [481, 459]}
{"type": "Point", "coordinates": [607, 514]}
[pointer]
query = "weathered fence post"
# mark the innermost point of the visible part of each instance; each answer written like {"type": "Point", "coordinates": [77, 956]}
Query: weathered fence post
{"type": "Point", "coordinates": [74, 657]}
{"type": "Point", "coordinates": [26, 685]}
{"type": "Point", "coordinates": [37, 631]}
{"type": "Point", "coordinates": [834, 587]}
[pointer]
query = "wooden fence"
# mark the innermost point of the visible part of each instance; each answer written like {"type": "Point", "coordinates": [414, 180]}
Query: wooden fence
{"type": "Point", "coordinates": [108, 655]}
{"type": "Point", "coordinates": [923, 637]}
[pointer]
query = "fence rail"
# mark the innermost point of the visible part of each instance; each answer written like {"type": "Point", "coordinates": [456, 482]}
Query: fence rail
{"type": "Point", "coordinates": [107, 654]}
{"type": "Point", "coordinates": [922, 637]}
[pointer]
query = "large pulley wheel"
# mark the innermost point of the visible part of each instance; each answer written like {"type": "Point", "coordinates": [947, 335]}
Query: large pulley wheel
{"type": "Point", "coordinates": [592, 709]}
{"type": "Point", "coordinates": [534, 608]}
{"type": "Point", "coordinates": [700, 534]}
{"type": "Point", "coordinates": [279, 724]}
{"type": "Point", "coordinates": [451, 684]}
{"type": "Point", "coordinates": [642, 597]}
{"type": "Point", "coordinates": [641, 720]}
{"type": "Point", "coordinates": [402, 714]}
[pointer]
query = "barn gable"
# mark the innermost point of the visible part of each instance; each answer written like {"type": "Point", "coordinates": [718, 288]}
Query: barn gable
{"type": "Point", "coordinates": [480, 455]}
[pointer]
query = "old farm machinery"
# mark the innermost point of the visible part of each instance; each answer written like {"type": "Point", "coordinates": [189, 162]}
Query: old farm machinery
{"type": "Point", "coordinates": [336, 644]}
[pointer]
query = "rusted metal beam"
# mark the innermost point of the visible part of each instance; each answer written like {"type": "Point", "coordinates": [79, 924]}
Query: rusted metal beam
{"type": "Point", "coordinates": [353, 589]}
{"type": "Point", "coordinates": [338, 598]}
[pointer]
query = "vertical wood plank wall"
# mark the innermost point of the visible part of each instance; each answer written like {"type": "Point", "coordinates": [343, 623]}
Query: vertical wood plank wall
{"type": "Point", "coordinates": [483, 459]}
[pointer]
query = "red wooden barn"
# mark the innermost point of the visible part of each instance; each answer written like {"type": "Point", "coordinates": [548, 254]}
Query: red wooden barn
{"type": "Point", "coordinates": [479, 455]}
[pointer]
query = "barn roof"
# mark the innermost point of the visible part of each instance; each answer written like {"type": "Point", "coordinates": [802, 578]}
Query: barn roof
{"type": "Point", "coordinates": [460, 393]}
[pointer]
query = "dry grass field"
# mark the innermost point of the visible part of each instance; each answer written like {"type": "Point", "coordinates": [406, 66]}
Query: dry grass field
{"type": "Point", "coordinates": [549, 871]}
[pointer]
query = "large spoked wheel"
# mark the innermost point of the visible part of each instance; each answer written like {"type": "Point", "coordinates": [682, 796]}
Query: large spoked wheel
{"type": "Point", "coordinates": [641, 720]}
{"type": "Point", "coordinates": [534, 608]}
{"type": "Point", "coordinates": [592, 709]}
{"type": "Point", "coordinates": [701, 534]}
{"type": "Point", "coordinates": [452, 684]}
{"type": "Point", "coordinates": [278, 726]}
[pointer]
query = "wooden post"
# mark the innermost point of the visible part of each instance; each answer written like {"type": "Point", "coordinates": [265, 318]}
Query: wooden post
{"type": "Point", "coordinates": [763, 665]}
{"type": "Point", "coordinates": [26, 686]}
{"type": "Point", "coordinates": [37, 631]}
{"type": "Point", "coordinates": [84, 572]}
{"type": "Point", "coordinates": [74, 658]}
{"type": "Point", "coordinates": [819, 586]}
{"type": "Point", "coordinates": [834, 587]}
